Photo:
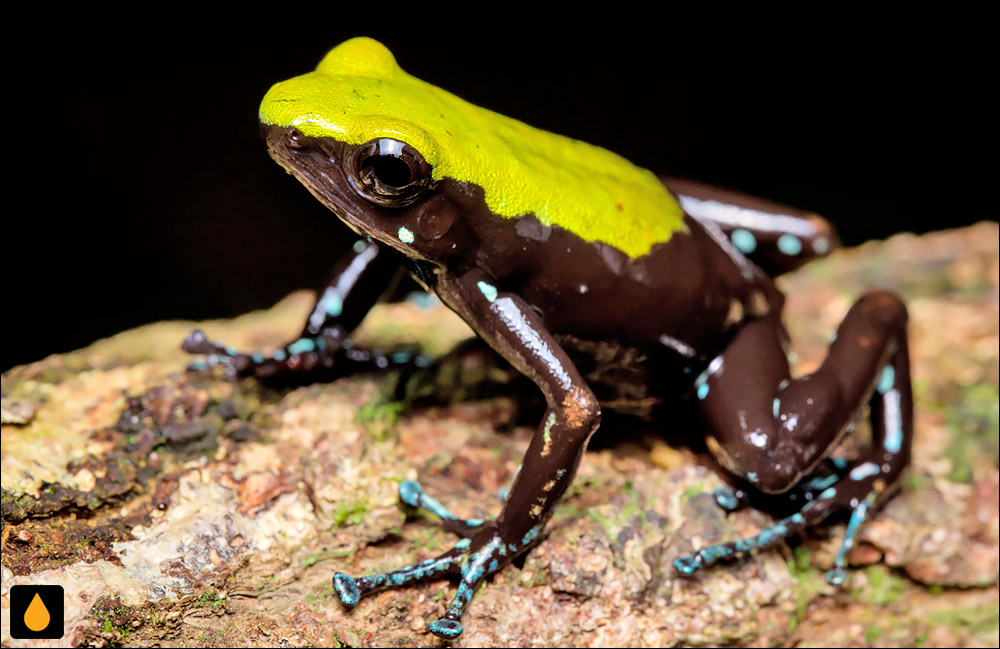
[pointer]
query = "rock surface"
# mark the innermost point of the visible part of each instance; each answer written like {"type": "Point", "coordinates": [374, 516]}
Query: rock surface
{"type": "Point", "coordinates": [180, 509]}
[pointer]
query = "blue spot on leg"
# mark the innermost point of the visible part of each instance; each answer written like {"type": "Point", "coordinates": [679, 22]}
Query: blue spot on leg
{"type": "Point", "coordinates": [839, 463]}
{"type": "Point", "coordinates": [744, 240]}
{"type": "Point", "coordinates": [789, 244]}
{"type": "Point", "coordinates": [886, 379]}
{"type": "Point", "coordinates": [819, 483]}
{"type": "Point", "coordinates": [334, 305]}
{"type": "Point", "coordinates": [893, 439]}
{"type": "Point", "coordinates": [488, 290]}
{"type": "Point", "coordinates": [301, 346]}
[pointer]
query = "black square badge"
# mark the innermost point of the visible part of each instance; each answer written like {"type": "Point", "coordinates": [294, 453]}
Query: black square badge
{"type": "Point", "coordinates": [37, 612]}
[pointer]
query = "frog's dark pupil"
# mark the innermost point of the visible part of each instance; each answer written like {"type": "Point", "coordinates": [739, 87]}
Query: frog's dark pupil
{"type": "Point", "coordinates": [391, 170]}
{"type": "Point", "coordinates": [388, 172]}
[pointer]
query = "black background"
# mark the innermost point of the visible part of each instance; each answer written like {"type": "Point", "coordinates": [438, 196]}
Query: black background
{"type": "Point", "coordinates": [143, 192]}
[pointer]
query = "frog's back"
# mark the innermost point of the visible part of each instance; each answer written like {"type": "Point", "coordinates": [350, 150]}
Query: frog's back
{"type": "Point", "coordinates": [359, 93]}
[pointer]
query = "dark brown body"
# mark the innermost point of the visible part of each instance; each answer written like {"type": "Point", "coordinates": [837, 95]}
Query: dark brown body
{"type": "Point", "coordinates": [692, 291]}
{"type": "Point", "coordinates": [698, 315]}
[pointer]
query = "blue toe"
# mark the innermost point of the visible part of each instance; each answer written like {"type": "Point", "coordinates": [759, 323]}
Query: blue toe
{"type": "Point", "coordinates": [687, 565]}
{"type": "Point", "coordinates": [409, 492]}
{"type": "Point", "coordinates": [347, 589]}
{"type": "Point", "coordinates": [726, 499]}
{"type": "Point", "coordinates": [447, 629]}
{"type": "Point", "coordinates": [836, 577]}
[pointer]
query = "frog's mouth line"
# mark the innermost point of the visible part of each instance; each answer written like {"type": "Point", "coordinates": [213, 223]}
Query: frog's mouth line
{"type": "Point", "coordinates": [317, 165]}
{"type": "Point", "coordinates": [313, 170]}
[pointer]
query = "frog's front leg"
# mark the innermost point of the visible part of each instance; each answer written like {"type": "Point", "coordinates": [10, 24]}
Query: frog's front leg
{"type": "Point", "coordinates": [516, 331]}
{"type": "Point", "coordinates": [773, 431]}
{"type": "Point", "coordinates": [357, 282]}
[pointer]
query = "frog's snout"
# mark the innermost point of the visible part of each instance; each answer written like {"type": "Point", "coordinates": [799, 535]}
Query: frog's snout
{"type": "Point", "coordinates": [283, 137]}
{"type": "Point", "coordinates": [293, 149]}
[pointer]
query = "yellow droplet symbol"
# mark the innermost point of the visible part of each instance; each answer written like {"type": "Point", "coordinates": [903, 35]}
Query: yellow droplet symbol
{"type": "Point", "coordinates": [37, 616]}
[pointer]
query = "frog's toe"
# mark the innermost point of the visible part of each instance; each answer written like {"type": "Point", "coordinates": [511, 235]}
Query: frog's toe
{"type": "Point", "coordinates": [730, 500]}
{"type": "Point", "coordinates": [859, 514]}
{"type": "Point", "coordinates": [445, 628]}
{"type": "Point", "coordinates": [197, 342]}
{"type": "Point", "coordinates": [836, 576]}
{"type": "Point", "coordinates": [414, 496]}
{"type": "Point", "coordinates": [347, 589]}
{"type": "Point", "coordinates": [216, 354]}
{"type": "Point", "coordinates": [688, 565]}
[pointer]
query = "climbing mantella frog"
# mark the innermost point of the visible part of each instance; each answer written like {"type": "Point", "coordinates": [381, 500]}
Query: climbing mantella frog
{"type": "Point", "coordinates": [552, 249]}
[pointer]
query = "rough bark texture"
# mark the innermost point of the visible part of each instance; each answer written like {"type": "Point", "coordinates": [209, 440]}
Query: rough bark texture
{"type": "Point", "coordinates": [179, 509]}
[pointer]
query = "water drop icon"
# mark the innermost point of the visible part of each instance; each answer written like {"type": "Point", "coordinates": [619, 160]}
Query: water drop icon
{"type": "Point", "coordinates": [36, 617]}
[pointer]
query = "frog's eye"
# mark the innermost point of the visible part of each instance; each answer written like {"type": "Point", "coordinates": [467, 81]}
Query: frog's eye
{"type": "Point", "coordinates": [388, 172]}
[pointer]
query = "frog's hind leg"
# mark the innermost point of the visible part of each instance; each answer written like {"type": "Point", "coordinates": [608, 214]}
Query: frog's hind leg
{"type": "Point", "coordinates": [776, 237]}
{"type": "Point", "coordinates": [773, 431]}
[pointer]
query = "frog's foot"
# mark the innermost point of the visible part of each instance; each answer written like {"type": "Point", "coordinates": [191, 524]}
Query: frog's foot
{"type": "Point", "coordinates": [471, 558]}
{"type": "Point", "coordinates": [414, 496]}
{"type": "Point", "coordinates": [217, 355]}
{"type": "Point", "coordinates": [302, 356]}
{"type": "Point", "coordinates": [856, 491]}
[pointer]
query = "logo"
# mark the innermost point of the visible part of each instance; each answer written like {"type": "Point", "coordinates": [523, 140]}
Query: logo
{"type": "Point", "coordinates": [36, 612]}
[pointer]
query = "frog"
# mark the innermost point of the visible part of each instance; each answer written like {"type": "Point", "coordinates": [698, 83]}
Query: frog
{"type": "Point", "coordinates": [556, 252]}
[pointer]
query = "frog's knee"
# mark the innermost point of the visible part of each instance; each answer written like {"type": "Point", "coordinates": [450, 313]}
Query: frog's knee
{"type": "Point", "coordinates": [581, 410]}
{"type": "Point", "coordinates": [883, 306]}
{"type": "Point", "coordinates": [779, 477]}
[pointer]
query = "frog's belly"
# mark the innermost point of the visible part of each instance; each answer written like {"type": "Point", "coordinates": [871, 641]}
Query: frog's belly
{"type": "Point", "coordinates": [623, 378]}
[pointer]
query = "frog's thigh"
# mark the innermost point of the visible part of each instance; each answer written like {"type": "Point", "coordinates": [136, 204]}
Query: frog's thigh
{"type": "Point", "coordinates": [778, 238]}
{"type": "Point", "coordinates": [771, 430]}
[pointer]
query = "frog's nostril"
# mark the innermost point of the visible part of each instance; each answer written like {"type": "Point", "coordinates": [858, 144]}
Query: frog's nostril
{"type": "Point", "coordinates": [294, 139]}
